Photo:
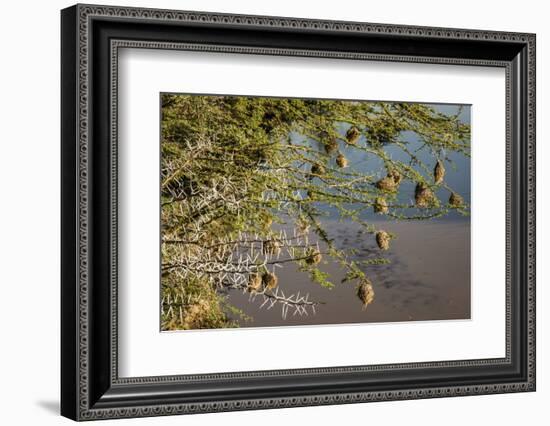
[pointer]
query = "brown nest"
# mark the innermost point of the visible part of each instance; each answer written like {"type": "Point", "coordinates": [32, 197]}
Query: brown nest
{"type": "Point", "coordinates": [331, 146]}
{"type": "Point", "coordinates": [391, 182]}
{"type": "Point", "coordinates": [254, 282]}
{"type": "Point", "coordinates": [365, 292]}
{"type": "Point", "coordinates": [352, 135]}
{"type": "Point", "coordinates": [383, 240]}
{"type": "Point", "coordinates": [387, 184]}
{"type": "Point", "coordinates": [380, 206]}
{"type": "Point", "coordinates": [341, 161]}
{"type": "Point", "coordinates": [455, 200]}
{"type": "Point", "coordinates": [302, 225]}
{"type": "Point", "coordinates": [439, 172]}
{"type": "Point", "coordinates": [314, 257]}
{"type": "Point", "coordinates": [423, 195]}
{"type": "Point", "coordinates": [317, 170]}
{"type": "Point", "coordinates": [270, 280]}
{"type": "Point", "coordinates": [395, 175]}
{"type": "Point", "coordinates": [272, 247]}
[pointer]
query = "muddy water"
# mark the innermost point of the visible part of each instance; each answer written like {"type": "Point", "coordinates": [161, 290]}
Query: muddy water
{"type": "Point", "coordinates": [428, 279]}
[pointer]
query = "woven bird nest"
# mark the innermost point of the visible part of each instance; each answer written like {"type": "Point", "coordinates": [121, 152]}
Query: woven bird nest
{"type": "Point", "coordinates": [380, 206]}
{"type": "Point", "coordinates": [272, 247]}
{"type": "Point", "coordinates": [270, 280]}
{"type": "Point", "coordinates": [254, 282]}
{"type": "Point", "coordinates": [302, 225]}
{"type": "Point", "coordinates": [439, 172]}
{"type": "Point", "coordinates": [352, 135]}
{"type": "Point", "coordinates": [331, 146]}
{"type": "Point", "coordinates": [455, 200]}
{"type": "Point", "coordinates": [395, 175]}
{"type": "Point", "coordinates": [365, 292]}
{"type": "Point", "coordinates": [314, 257]}
{"type": "Point", "coordinates": [317, 170]}
{"type": "Point", "coordinates": [423, 195]}
{"type": "Point", "coordinates": [387, 184]}
{"type": "Point", "coordinates": [383, 240]}
{"type": "Point", "coordinates": [341, 161]}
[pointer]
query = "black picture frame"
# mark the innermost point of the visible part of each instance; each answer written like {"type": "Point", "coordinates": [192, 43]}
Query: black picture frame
{"type": "Point", "coordinates": [90, 386]}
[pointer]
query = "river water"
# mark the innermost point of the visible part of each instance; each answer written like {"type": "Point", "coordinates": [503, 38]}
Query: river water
{"type": "Point", "coordinates": [428, 279]}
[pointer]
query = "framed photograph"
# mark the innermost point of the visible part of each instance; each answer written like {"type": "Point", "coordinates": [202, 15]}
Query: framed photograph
{"type": "Point", "coordinates": [263, 212]}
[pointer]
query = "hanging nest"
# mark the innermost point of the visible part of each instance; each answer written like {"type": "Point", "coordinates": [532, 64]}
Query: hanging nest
{"type": "Point", "coordinates": [272, 247]}
{"type": "Point", "coordinates": [254, 282]}
{"type": "Point", "coordinates": [439, 172]}
{"type": "Point", "coordinates": [303, 225]}
{"type": "Point", "coordinates": [314, 257]}
{"type": "Point", "coordinates": [270, 280]}
{"type": "Point", "coordinates": [352, 135]}
{"type": "Point", "coordinates": [395, 175]}
{"type": "Point", "coordinates": [380, 205]}
{"type": "Point", "coordinates": [331, 146]}
{"type": "Point", "coordinates": [341, 161]}
{"type": "Point", "coordinates": [317, 170]}
{"type": "Point", "coordinates": [391, 182]}
{"type": "Point", "coordinates": [383, 240]}
{"type": "Point", "coordinates": [365, 292]}
{"type": "Point", "coordinates": [387, 184]}
{"type": "Point", "coordinates": [423, 195]}
{"type": "Point", "coordinates": [455, 200]}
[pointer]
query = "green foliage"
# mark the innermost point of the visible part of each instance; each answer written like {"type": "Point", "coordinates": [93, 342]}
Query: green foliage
{"type": "Point", "coordinates": [320, 277]}
{"type": "Point", "coordinates": [191, 304]}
